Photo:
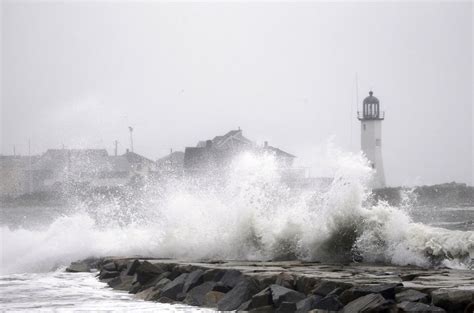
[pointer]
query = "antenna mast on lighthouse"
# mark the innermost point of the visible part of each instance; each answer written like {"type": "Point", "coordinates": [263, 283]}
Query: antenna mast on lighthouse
{"type": "Point", "coordinates": [131, 137]}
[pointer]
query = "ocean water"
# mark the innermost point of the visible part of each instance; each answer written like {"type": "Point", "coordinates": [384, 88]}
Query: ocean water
{"type": "Point", "coordinates": [247, 214]}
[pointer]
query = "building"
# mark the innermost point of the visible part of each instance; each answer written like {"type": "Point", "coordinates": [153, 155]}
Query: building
{"type": "Point", "coordinates": [216, 154]}
{"type": "Point", "coordinates": [371, 136]}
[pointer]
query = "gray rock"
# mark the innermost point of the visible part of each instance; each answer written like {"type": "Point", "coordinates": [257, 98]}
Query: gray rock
{"type": "Point", "coordinates": [213, 274]}
{"type": "Point", "coordinates": [242, 292]}
{"type": "Point", "coordinates": [110, 266]}
{"type": "Point", "coordinates": [307, 304]}
{"type": "Point", "coordinates": [286, 280]}
{"type": "Point", "coordinates": [108, 274]}
{"type": "Point", "coordinates": [212, 298]}
{"type": "Point", "coordinates": [78, 267]}
{"type": "Point", "coordinates": [452, 300]}
{"type": "Point", "coordinates": [155, 294]}
{"type": "Point", "coordinates": [263, 298]}
{"type": "Point", "coordinates": [324, 288]}
{"type": "Point", "coordinates": [174, 288]}
{"type": "Point", "coordinates": [281, 294]}
{"type": "Point", "coordinates": [286, 307]}
{"type": "Point", "coordinates": [194, 278]}
{"type": "Point", "coordinates": [386, 290]}
{"type": "Point", "coordinates": [419, 307]}
{"type": "Point", "coordinates": [305, 284]}
{"type": "Point", "coordinates": [244, 307]}
{"type": "Point", "coordinates": [221, 287]}
{"type": "Point", "coordinates": [411, 295]}
{"type": "Point", "coordinates": [197, 295]}
{"type": "Point", "coordinates": [147, 271]}
{"type": "Point", "coordinates": [132, 267]}
{"type": "Point", "coordinates": [329, 303]}
{"type": "Point", "coordinates": [263, 309]}
{"type": "Point", "coordinates": [121, 283]}
{"type": "Point", "coordinates": [231, 278]}
{"type": "Point", "coordinates": [368, 303]}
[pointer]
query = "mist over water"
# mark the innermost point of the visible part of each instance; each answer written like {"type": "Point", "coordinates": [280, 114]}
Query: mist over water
{"type": "Point", "coordinates": [246, 214]}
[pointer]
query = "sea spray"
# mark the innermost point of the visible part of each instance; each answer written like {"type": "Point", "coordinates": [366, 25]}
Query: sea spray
{"type": "Point", "coordinates": [246, 212]}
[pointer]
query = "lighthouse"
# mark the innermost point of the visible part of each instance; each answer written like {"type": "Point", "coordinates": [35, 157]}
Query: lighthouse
{"type": "Point", "coordinates": [371, 136]}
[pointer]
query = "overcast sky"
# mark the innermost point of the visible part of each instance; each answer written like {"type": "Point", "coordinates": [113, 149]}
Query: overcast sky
{"type": "Point", "coordinates": [79, 73]}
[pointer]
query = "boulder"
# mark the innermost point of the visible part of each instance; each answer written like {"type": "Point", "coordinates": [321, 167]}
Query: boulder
{"type": "Point", "coordinates": [263, 298]}
{"type": "Point", "coordinates": [329, 303]}
{"type": "Point", "coordinates": [78, 267]}
{"type": "Point", "coordinates": [212, 298]}
{"type": "Point", "coordinates": [121, 283]}
{"type": "Point", "coordinates": [110, 266]}
{"type": "Point", "coordinates": [307, 304]}
{"type": "Point", "coordinates": [213, 274]}
{"type": "Point", "coordinates": [155, 294]}
{"type": "Point", "coordinates": [368, 303]}
{"type": "Point", "coordinates": [286, 280]}
{"type": "Point", "coordinates": [197, 295]}
{"type": "Point", "coordinates": [194, 278]}
{"type": "Point", "coordinates": [411, 295]}
{"type": "Point", "coordinates": [263, 309]}
{"type": "Point", "coordinates": [281, 294]}
{"type": "Point", "coordinates": [286, 307]}
{"type": "Point", "coordinates": [132, 267]}
{"type": "Point", "coordinates": [242, 292]}
{"type": "Point", "coordinates": [147, 271]}
{"type": "Point", "coordinates": [452, 300]}
{"type": "Point", "coordinates": [305, 284]}
{"type": "Point", "coordinates": [221, 287]}
{"type": "Point", "coordinates": [231, 278]}
{"type": "Point", "coordinates": [144, 293]}
{"type": "Point", "coordinates": [386, 290]}
{"type": "Point", "coordinates": [172, 289]}
{"type": "Point", "coordinates": [419, 307]}
{"type": "Point", "coordinates": [324, 287]}
{"type": "Point", "coordinates": [104, 274]}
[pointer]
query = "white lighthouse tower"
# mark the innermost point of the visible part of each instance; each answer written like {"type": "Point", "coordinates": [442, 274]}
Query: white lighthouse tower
{"type": "Point", "coordinates": [371, 136]}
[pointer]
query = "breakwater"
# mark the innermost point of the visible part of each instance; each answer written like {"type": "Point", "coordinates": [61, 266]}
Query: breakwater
{"type": "Point", "coordinates": [288, 286]}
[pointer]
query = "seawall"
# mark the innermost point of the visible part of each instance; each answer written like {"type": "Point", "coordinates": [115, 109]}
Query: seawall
{"type": "Point", "coordinates": [287, 286]}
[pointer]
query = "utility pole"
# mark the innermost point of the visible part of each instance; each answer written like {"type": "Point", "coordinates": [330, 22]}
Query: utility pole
{"type": "Point", "coordinates": [116, 147]}
{"type": "Point", "coordinates": [131, 137]}
{"type": "Point", "coordinates": [14, 150]}
{"type": "Point", "coordinates": [30, 174]}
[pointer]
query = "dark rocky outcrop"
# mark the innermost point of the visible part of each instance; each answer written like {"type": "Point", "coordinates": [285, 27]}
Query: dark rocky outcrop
{"type": "Point", "coordinates": [78, 267]}
{"type": "Point", "coordinates": [244, 287]}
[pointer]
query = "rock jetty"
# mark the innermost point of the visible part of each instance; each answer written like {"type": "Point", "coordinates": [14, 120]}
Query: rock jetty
{"type": "Point", "coordinates": [288, 286]}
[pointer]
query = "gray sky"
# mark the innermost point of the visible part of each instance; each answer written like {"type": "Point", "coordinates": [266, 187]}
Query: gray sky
{"type": "Point", "coordinates": [79, 73]}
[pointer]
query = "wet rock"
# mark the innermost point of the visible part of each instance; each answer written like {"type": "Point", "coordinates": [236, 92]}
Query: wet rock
{"type": "Point", "coordinates": [329, 303]}
{"type": "Point", "coordinates": [419, 307]}
{"type": "Point", "coordinates": [242, 292]}
{"type": "Point", "coordinates": [245, 306]}
{"type": "Point", "coordinates": [197, 295]}
{"type": "Point", "coordinates": [324, 288]}
{"type": "Point", "coordinates": [411, 295]}
{"type": "Point", "coordinates": [281, 294]}
{"type": "Point", "coordinates": [305, 284]}
{"type": "Point", "coordinates": [307, 304]}
{"type": "Point", "coordinates": [286, 307]}
{"type": "Point", "coordinates": [286, 280]}
{"type": "Point", "coordinates": [147, 271]}
{"type": "Point", "coordinates": [368, 303]}
{"type": "Point", "coordinates": [78, 267]}
{"type": "Point", "coordinates": [263, 309]}
{"type": "Point", "coordinates": [110, 267]}
{"type": "Point", "coordinates": [144, 293]}
{"type": "Point", "coordinates": [214, 274]}
{"type": "Point", "coordinates": [132, 267]}
{"type": "Point", "coordinates": [452, 300]}
{"type": "Point", "coordinates": [166, 300]}
{"type": "Point", "coordinates": [221, 287]}
{"type": "Point", "coordinates": [386, 290]}
{"type": "Point", "coordinates": [212, 298]}
{"type": "Point", "coordinates": [231, 278]}
{"type": "Point", "coordinates": [108, 274]}
{"type": "Point", "coordinates": [121, 283]}
{"type": "Point", "coordinates": [175, 287]}
{"type": "Point", "coordinates": [136, 286]}
{"type": "Point", "coordinates": [263, 298]}
{"type": "Point", "coordinates": [155, 294]}
{"type": "Point", "coordinates": [194, 278]}
{"type": "Point", "coordinates": [154, 281]}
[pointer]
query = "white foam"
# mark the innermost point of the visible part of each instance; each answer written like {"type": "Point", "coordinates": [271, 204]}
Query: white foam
{"type": "Point", "coordinates": [248, 214]}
